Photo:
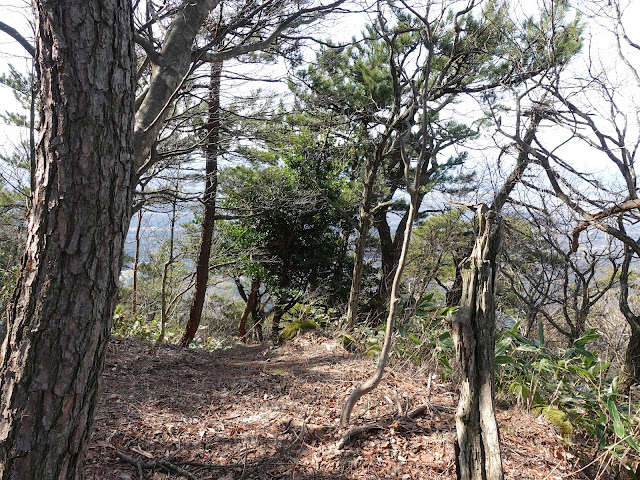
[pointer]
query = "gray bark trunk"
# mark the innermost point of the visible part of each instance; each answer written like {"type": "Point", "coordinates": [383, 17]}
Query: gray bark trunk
{"type": "Point", "coordinates": [62, 311]}
{"type": "Point", "coordinates": [172, 65]}
{"type": "Point", "coordinates": [361, 241]}
{"type": "Point", "coordinates": [473, 330]}
{"type": "Point", "coordinates": [358, 268]}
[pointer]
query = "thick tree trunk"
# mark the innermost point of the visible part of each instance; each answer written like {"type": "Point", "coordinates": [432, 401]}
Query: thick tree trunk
{"type": "Point", "coordinates": [209, 201]}
{"type": "Point", "coordinates": [62, 311]}
{"type": "Point", "coordinates": [473, 329]}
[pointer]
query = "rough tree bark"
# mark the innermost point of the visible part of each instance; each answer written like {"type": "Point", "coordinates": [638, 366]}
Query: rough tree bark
{"type": "Point", "coordinates": [62, 310]}
{"type": "Point", "coordinates": [209, 202]}
{"type": "Point", "coordinates": [472, 330]}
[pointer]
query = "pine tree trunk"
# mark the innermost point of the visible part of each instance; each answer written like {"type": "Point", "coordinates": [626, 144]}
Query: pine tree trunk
{"type": "Point", "coordinates": [209, 201]}
{"type": "Point", "coordinates": [62, 311]}
{"type": "Point", "coordinates": [473, 331]}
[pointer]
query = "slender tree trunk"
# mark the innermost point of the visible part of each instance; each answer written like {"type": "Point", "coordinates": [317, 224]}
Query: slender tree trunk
{"type": "Point", "coordinates": [209, 201]}
{"type": "Point", "coordinates": [62, 310]}
{"type": "Point", "coordinates": [358, 268]}
{"type": "Point", "coordinates": [391, 249]}
{"type": "Point", "coordinates": [164, 309]}
{"type": "Point", "coordinates": [361, 241]}
{"type": "Point", "coordinates": [249, 307]}
{"type": "Point", "coordinates": [136, 261]}
{"type": "Point", "coordinates": [258, 315]}
{"type": "Point", "coordinates": [278, 313]}
{"type": "Point", "coordinates": [630, 374]}
{"type": "Point", "coordinates": [376, 378]}
{"type": "Point", "coordinates": [473, 332]}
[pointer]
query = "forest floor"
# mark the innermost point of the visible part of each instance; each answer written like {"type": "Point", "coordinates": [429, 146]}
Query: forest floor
{"type": "Point", "coordinates": [251, 412]}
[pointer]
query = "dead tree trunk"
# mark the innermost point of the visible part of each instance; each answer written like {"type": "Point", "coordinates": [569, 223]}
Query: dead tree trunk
{"type": "Point", "coordinates": [473, 327]}
{"type": "Point", "coordinates": [473, 333]}
{"type": "Point", "coordinates": [209, 201]}
{"type": "Point", "coordinates": [62, 311]}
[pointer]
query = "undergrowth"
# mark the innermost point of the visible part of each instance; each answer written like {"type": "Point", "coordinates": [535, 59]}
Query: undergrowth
{"type": "Point", "coordinates": [570, 387]}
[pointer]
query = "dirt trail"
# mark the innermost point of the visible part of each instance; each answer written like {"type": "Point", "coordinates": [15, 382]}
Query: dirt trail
{"type": "Point", "coordinates": [254, 413]}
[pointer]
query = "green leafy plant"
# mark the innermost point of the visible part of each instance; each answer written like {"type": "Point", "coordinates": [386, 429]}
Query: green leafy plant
{"type": "Point", "coordinates": [423, 339]}
{"type": "Point", "coordinates": [126, 325]}
{"type": "Point", "coordinates": [570, 387]}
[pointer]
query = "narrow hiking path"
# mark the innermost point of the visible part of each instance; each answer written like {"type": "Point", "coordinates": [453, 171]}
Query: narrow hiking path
{"type": "Point", "coordinates": [254, 413]}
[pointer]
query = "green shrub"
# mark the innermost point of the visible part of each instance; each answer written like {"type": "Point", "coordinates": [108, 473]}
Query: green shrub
{"type": "Point", "coordinates": [423, 339]}
{"type": "Point", "coordinates": [572, 389]}
{"type": "Point", "coordinates": [127, 325]}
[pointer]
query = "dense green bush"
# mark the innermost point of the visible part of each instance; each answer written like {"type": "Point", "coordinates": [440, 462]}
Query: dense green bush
{"type": "Point", "coordinates": [572, 386]}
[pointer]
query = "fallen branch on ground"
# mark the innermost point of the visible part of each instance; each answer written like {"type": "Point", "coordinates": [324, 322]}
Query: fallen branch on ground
{"type": "Point", "coordinates": [170, 467]}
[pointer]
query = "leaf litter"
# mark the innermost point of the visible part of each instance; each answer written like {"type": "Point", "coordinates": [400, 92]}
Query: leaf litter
{"type": "Point", "coordinates": [252, 412]}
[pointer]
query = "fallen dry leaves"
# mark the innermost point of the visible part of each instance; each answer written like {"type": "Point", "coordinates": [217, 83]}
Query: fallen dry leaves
{"type": "Point", "coordinates": [255, 413]}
